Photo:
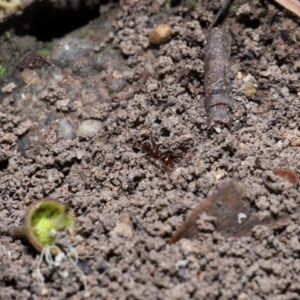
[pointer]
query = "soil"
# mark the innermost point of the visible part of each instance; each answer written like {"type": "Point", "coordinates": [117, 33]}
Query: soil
{"type": "Point", "coordinates": [75, 113]}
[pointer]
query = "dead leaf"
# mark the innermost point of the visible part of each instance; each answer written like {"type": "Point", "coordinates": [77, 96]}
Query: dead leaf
{"type": "Point", "coordinates": [291, 5]}
{"type": "Point", "coordinates": [232, 213]}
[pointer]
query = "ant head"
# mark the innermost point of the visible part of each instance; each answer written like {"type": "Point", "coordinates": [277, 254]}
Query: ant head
{"type": "Point", "coordinates": [147, 147]}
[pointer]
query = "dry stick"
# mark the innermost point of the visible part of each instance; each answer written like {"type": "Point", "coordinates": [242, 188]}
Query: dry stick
{"type": "Point", "coordinates": [216, 80]}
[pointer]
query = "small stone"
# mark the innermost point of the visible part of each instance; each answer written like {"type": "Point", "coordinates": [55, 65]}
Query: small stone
{"type": "Point", "coordinates": [70, 49]}
{"type": "Point", "coordinates": [116, 85]}
{"type": "Point", "coordinates": [64, 105]}
{"type": "Point", "coordinates": [44, 292]}
{"type": "Point", "coordinates": [176, 292]}
{"type": "Point", "coordinates": [123, 229]}
{"type": "Point", "coordinates": [65, 130]}
{"type": "Point", "coordinates": [243, 10]}
{"type": "Point", "coordinates": [292, 125]}
{"type": "Point", "coordinates": [187, 247]}
{"type": "Point", "coordinates": [264, 284]}
{"type": "Point", "coordinates": [239, 75]}
{"type": "Point", "coordinates": [117, 75]}
{"type": "Point", "coordinates": [23, 127]}
{"type": "Point", "coordinates": [219, 174]}
{"type": "Point", "coordinates": [88, 128]}
{"type": "Point", "coordinates": [249, 86]}
{"type": "Point", "coordinates": [30, 77]}
{"type": "Point", "coordinates": [160, 34]}
{"type": "Point", "coordinates": [241, 218]}
{"type": "Point", "coordinates": [297, 65]}
{"type": "Point", "coordinates": [243, 296]}
{"type": "Point", "coordinates": [9, 87]}
{"type": "Point", "coordinates": [64, 274]}
{"type": "Point", "coordinates": [87, 295]}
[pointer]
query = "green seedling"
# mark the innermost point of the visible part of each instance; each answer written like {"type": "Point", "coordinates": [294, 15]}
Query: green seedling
{"type": "Point", "coordinates": [43, 219]}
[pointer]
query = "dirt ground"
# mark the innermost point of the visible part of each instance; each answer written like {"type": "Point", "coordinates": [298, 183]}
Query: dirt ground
{"type": "Point", "coordinates": [72, 128]}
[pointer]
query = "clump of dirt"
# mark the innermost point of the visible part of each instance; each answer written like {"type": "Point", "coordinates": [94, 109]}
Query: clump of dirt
{"type": "Point", "coordinates": [68, 132]}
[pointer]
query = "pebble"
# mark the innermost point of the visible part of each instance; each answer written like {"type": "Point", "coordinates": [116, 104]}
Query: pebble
{"type": "Point", "coordinates": [88, 128]}
{"type": "Point", "coordinates": [122, 229]}
{"type": "Point", "coordinates": [70, 49]}
{"type": "Point", "coordinates": [116, 85]}
{"type": "Point", "coordinates": [9, 87]}
{"type": "Point", "coordinates": [160, 34]}
{"type": "Point", "coordinates": [30, 76]}
{"type": "Point", "coordinates": [249, 86]}
{"type": "Point", "coordinates": [65, 130]}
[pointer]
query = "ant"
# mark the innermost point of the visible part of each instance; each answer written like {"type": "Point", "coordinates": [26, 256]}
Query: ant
{"type": "Point", "coordinates": [152, 150]}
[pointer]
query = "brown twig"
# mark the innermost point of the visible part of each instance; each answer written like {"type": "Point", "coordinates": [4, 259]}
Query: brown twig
{"type": "Point", "coordinates": [216, 80]}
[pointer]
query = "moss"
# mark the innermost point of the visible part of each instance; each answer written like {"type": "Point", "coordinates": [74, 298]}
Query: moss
{"type": "Point", "coordinates": [43, 52]}
{"type": "Point", "coordinates": [44, 49]}
{"type": "Point", "coordinates": [195, 3]}
{"type": "Point", "coordinates": [8, 35]}
{"type": "Point", "coordinates": [2, 71]}
{"type": "Point", "coordinates": [236, 7]}
{"type": "Point", "coordinates": [106, 50]}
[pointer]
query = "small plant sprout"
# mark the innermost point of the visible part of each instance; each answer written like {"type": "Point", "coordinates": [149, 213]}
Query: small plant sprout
{"type": "Point", "coordinates": [42, 222]}
{"type": "Point", "coordinates": [43, 219]}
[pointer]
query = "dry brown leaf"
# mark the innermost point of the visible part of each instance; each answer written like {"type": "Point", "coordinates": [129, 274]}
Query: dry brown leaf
{"type": "Point", "coordinates": [233, 216]}
{"type": "Point", "coordinates": [291, 5]}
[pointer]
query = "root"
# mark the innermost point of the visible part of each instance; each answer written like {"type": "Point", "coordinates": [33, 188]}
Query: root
{"type": "Point", "coordinates": [71, 254]}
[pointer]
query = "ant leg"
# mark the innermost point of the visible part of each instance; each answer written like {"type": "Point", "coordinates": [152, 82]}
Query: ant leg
{"type": "Point", "coordinates": [152, 139]}
{"type": "Point", "coordinates": [177, 154]}
{"type": "Point", "coordinates": [171, 154]}
{"type": "Point", "coordinates": [145, 156]}
{"type": "Point", "coordinates": [152, 99]}
{"type": "Point", "coordinates": [155, 147]}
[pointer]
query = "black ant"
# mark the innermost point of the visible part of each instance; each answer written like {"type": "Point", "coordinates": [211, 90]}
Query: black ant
{"type": "Point", "coordinates": [152, 150]}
